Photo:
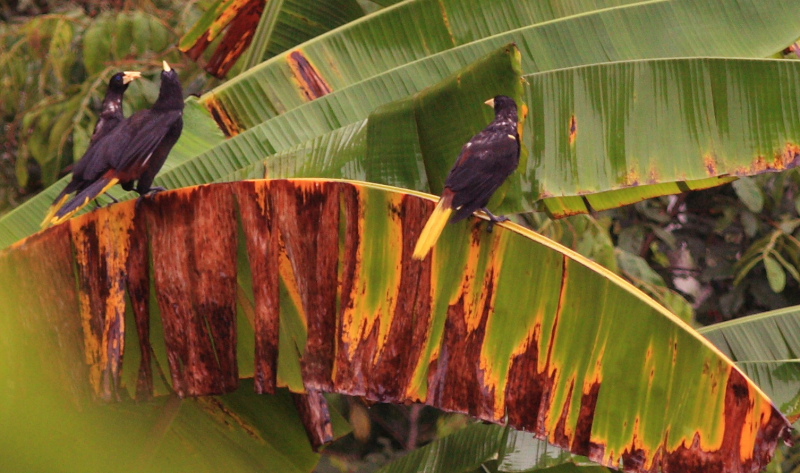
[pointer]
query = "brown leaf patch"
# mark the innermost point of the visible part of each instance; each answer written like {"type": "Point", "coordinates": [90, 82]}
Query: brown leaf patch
{"type": "Point", "coordinates": [102, 243]}
{"type": "Point", "coordinates": [226, 122]}
{"type": "Point", "coordinates": [573, 130]}
{"type": "Point", "coordinates": [261, 235]}
{"type": "Point", "coordinates": [193, 238]}
{"type": "Point", "coordinates": [307, 76]}
{"type": "Point", "coordinates": [303, 208]}
{"type": "Point", "coordinates": [730, 458]}
{"type": "Point", "coordinates": [412, 319]}
{"type": "Point", "coordinates": [237, 38]}
{"type": "Point", "coordinates": [138, 282]}
{"type": "Point", "coordinates": [313, 410]}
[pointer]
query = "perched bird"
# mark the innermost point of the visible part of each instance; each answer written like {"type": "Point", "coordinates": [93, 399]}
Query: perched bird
{"type": "Point", "coordinates": [484, 164]}
{"type": "Point", "coordinates": [133, 152]}
{"type": "Point", "coordinates": [110, 116]}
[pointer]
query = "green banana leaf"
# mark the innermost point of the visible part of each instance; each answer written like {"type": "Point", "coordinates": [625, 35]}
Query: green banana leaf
{"type": "Point", "coordinates": [766, 347]}
{"type": "Point", "coordinates": [287, 23]}
{"type": "Point", "coordinates": [463, 451]}
{"type": "Point", "coordinates": [505, 326]}
{"type": "Point", "coordinates": [477, 445]}
{"type": "Point", "coordinates": [646, 128]}
{"type": "Point", "coordinates": [261, 29]}
{"type": "Point", "coordinates": [550, 35]}
{"type": "Point", "coordinates": [523, 452]}
{"type": "Point", "coordinates": [271, 88]}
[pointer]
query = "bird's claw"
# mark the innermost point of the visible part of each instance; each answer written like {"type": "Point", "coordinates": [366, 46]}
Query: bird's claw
{"type": "Point", "coordinates": [150, 193]}
{"type": "Point", "coordinates": [153, 191]}
{"type": "Point", "coordinates": [493, 219]}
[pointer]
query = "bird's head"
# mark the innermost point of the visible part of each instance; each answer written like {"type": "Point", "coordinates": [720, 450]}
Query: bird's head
{"type": "Point", "coordinates": [121, 80]}
{"type": "Point", "coordinates": [501, 102]}
{"type": "Point", "coordinates": [170, 95]}
{"type": "Point", "coordinates": [168, 71]}
{"type": "Point", "coordinates": [505, 108]}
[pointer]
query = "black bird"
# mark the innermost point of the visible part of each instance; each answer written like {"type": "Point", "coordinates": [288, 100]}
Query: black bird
{"type": "Point", "coordinates": [484, 164]}
{"type": "Point", "coordinates": [133, 152]}
{"type": "Point", "coordinates": [110, 116]}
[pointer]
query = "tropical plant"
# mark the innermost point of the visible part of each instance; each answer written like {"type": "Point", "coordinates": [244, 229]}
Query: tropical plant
{"type": "Point", "coordinates": [312, 112]}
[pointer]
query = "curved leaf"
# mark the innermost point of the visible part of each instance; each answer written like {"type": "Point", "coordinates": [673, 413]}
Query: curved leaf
{"type": "Point", "coordinates": [769, 336]}
{"type": "Point", "coordinates": [766, 347]}
{"type": "Point", "coordinates": [590, 134]}
{"type": "Point", "coordinates": [290, 22]}
{"type": "Point", "coordinates": [615, 126]}
{"type": "Point", "coordinates": [550, 35]}
{"type": "Point", "coordinates": [503, 326]}
{"type": "Point", "coordinates": [545, 35]}
{"type": "Point", "coordinates": [462, 451]}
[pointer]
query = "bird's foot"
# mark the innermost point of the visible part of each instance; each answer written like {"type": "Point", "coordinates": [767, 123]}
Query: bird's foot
{"type": "Point", "coordinates": [152, 191]}
{"type": "Point", "coordinates": [149, 193]}
{"type": "Point", "coordinates": [493, 219]}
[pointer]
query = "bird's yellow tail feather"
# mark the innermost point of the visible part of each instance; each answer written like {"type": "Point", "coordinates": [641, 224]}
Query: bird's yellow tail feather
{"type": "Point", "coordinates": [433, 227]}
{"type": "Point", "coordinates": [86, 197]}
{"type": "Point", "coordinates": [52, 211]}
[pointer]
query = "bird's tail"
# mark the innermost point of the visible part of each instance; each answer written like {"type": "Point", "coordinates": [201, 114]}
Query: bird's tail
{"type": "Point", "coordinates": [434, 226]}
{"type": "Point", "coordinates": [57, 204]}
{"type": "Point", "coordinates": [83, 198]}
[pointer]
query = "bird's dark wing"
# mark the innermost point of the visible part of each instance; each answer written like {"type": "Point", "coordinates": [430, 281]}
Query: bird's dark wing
{"type": "Point", "coordinates": [104, 126]}
{"type": "Point", "coordinates": [484, 164]}
{"type": "Point", "coordinates": [159, 157]}
{"type": "Point", "coordinates": [95, 162]}
{"type": "Point", "coordinates": [147, 130]}
{"type": "Point", "coordinates": [107, 123]}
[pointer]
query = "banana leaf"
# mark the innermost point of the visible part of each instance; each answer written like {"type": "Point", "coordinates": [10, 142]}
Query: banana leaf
{"type": "Point", "coordinates": [765, 346]}
{"type": "Point", "coordinates": [505, 326]}
{"type": "Point", "coordinates": [272, 27]}
{"type": "Point", "coordinates": [598, 137]}
{"type": "Point", "coordinates": [550, 35]}
{"type": "Point", "coordinates": [255, 94]}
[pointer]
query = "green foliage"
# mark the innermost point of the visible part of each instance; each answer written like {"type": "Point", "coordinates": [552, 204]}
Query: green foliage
{"type": "Point", "coordinates": [55, 69]}
{"type": "Point", "coordinates": [730, 251]}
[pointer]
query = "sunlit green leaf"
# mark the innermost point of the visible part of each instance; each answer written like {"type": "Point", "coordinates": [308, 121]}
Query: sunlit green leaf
{"type": "Point", "coordinates": [775, 274]}
{"type": "Point", "coordinates": [750, 194]}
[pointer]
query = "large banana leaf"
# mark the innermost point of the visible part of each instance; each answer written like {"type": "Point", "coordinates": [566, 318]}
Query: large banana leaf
{"type": "Point", "coordinates": [550, 35]}
{"type": "Point", "coordinates": [645, 127]}
{"type": "Point", "coordinates": [678, 124]}
{"type": "Point", "coordinates": [504, 326]}
{"type": "Point", "coordinates": [545, 33]}
{"type": "Point", "coordinates": [478, 444]}
{"type": "Point", "coordinates": [281, 24]}
{"type": "Point", "coordinates": [766, 347]}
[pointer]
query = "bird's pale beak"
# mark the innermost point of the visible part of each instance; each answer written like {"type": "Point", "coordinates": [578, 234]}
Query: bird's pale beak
{"type": "Point", "coordinates": [490, 102]}
{"type": "Point", "coordinates": [130, 76]}
{"type": "Point", "coordinates": [166, 66]}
